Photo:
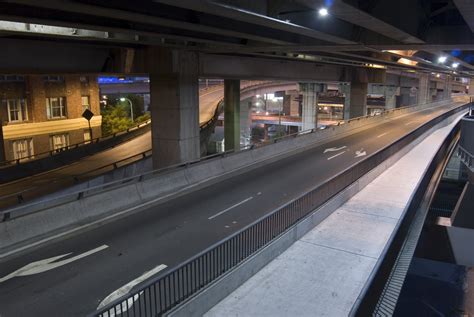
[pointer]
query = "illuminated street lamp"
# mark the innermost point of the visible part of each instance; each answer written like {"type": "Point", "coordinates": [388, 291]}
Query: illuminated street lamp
{"type": "Point", "coordinates": [323, 12]}
{"type": "Point", "coordinates": [454, 65]}
{"type": "Point", "coordinates": [442, 59]}
{"type": "Point", "coordinates": [122, 99]}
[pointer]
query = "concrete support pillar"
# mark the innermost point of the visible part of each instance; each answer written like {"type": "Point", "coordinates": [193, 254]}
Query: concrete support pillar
{"type": "Point", "coordinates": [391, 93]}
{"type": "Point", "coordinates": [448, 87]}
{"type": "Point", "coordinates": [245, 123]}
{"type": "Point", "coordinates": [310, 104]}
{"type": "Point", "coordinates": [286, 104]}
{"type": "Point", "coordinates": [294, 104]}
{"type": "Point", "coordinates": [471, 87]}
{"type": "Point", "coordinates": [408, 96]}
{"type": "Point", "coordinates": [174, 104]}
{"type": "Point", "coordinates": [424, 95]}
{"type": "Point", "coordinates": [358, 100]}
{"type": "Point", "coordinates": [232, 114]}
{"type": "Point", "coordinates": [346, 90]}
{"type": "Point", "coordinates": [2, 142]}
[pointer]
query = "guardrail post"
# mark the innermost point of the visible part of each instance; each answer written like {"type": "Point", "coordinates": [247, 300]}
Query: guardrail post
{"type": "Point", "coordinates": [6, 216]}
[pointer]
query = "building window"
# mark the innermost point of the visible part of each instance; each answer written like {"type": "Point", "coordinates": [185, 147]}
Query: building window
{"type": "Point", "coordinates": [86, 103]}
{"type": "Point", "coordinates": [84, 80]}
{"type": "Point", "coordinates": [59, 142]}
{"type": "Point", "coordinates": [87, 136]}
{"type": "Point", "coordinates": [56, 107]}
{"type": "Point", "coordinates": [53, 78]}
{"type": "Point", "coordinates": [17, 110]}
{"type": "Point", "coordinates": [22, 149]}
{"type": "Point", "coordinates": [12, 78]}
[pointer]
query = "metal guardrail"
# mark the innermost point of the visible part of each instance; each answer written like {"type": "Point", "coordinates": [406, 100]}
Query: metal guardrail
{"type": "Point", "coordinates": [172, 288]}
{"type": "Point", "coordinates": [466, 157]}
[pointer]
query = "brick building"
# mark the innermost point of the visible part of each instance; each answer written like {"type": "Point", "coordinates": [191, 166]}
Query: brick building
{"type": "Point", "coordinates": [41, 113]}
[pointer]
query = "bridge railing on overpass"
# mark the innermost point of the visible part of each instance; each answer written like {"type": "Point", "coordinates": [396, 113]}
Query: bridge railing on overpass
{"type": "Point", "coordinates": [466, 157]}
{"type": "Point", "coordinates": [180, 283]}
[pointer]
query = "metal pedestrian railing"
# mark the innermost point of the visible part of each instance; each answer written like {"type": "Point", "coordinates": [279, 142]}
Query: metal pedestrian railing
{"type": "Point", "coordinates": [466, 157]}
{"type": "Point", "coordinates": [175, 286]}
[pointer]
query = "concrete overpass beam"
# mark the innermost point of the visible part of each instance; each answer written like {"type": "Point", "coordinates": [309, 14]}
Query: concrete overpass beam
{"type": "Point", "coordinates": [232, 114]}
{"type": "Point", "coordinates": [174, 105]}
{"type": "Point", "coordinates": [310, 104]}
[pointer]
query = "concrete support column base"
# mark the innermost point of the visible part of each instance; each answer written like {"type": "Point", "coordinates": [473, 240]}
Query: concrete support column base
{"type": "Point", "coordinates": [174, 95]}
{"type": "Point", "coordinates": [346, 90]}
{"type": "Point", "coordinates": [232, 114]}
{"type": "Point", "coordinates": [424, 95]}
{"type": "Point", "coordinates": [310, 104]}
{"type": "Point", "coordinates": [358, 100]}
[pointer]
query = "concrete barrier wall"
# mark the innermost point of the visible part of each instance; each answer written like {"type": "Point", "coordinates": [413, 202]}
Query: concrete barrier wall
{"type": "Point", "coordinates": [35, 221]}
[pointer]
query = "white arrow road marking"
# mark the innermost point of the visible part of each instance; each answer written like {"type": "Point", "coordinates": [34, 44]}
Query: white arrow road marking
{"type": "Point", "coordinates": [49, 264]}
{"type": "Point", "coordinates": [360, 153]}
{"type": "Point", "coordinates": [227, 209]}
{"type": "Point", "coordinates": [334, 149]}
{"type": "Point", "coordinates": [381, 135]}
{"type": "Point", "coordinates": [331, 157]}
{"type": "Point", "coordinates": [125, 290]}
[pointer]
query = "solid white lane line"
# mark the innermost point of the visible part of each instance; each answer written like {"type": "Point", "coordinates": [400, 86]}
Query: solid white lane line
{"type": "Point", "coordinates": [126, 289]}
{"type": "Point", "coordinates": [330, 158]}
{"type": "Point", "coordinates": [227, 209]}
{"type": "Point", "coordinates": [49, 264]}
{"type": "Point", "coordinates": [410, 122]}
{"type": "Point", "coordinates": [381, 135]}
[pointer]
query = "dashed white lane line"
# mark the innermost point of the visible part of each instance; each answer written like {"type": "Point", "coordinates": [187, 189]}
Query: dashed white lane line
{"type": "Point", "coordinates": [331, 157]}
{"type": "Point", "coordinates": [381, 135]}
{"type": "Point", "coordinates": [231, 207]}
{"type": "Point", "coordinates": [408, 123]}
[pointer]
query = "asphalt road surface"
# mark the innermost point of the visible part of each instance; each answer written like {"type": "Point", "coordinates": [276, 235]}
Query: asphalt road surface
{"type": "Point", "coordinates": [95, 264]}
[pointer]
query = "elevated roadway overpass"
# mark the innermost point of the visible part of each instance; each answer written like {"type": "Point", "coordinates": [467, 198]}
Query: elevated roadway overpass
{"type": "Point", "coordinates": [96, 263]}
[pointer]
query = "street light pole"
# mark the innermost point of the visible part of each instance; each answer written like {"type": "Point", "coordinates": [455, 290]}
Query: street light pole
{"type": "Point", "coordinates": [131, 106]}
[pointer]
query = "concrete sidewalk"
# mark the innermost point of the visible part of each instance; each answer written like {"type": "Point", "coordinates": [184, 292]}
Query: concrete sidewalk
{"type": "Point", "coordinates": [323, 273]}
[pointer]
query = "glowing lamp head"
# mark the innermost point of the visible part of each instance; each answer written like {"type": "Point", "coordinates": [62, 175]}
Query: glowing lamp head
{"type": "Point", "coordinates": [323, 12]}
{"type": "Point", "coordinates": [454, 65]}
{"type": "Point", "coordinates": [122, 99]}
{"type": "Point", "coordinates": [442, 59]}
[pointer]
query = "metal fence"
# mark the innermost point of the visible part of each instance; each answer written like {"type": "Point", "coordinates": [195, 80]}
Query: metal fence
{"type": "Point", "coordinates": [466, 157]}
{"type": "Point", "coordinates": [171, 288]}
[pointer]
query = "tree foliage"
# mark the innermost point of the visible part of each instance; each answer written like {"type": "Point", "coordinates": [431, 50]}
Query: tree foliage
{"type": "Point", "coordinates": [115, 119]}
